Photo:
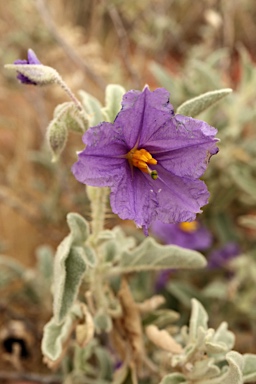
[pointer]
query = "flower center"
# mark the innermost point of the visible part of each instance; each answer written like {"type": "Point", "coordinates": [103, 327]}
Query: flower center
{"type": "Point", "coordinates": [140, 158]}
{"type": "Point", "coordinates": [189, 226]}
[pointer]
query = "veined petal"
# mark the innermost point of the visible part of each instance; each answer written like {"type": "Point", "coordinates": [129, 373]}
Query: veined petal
{"type": "Point", "coordinates": [181, 132]}
{"type": "Point", "coordinates": [101, 163]}
{"type": "Point", "coordinates": [98, 170]}
{"type": "Point", "coordinates": [188, 162]}
{"type": "Point", "coordinates": [180, 198]}
{"type": "Point", "coordinates": [133, 198]}
{"type": "Point", "coordinates": [170, 198]}
{"type": "Point", "coordinates": [142, 113]}
{"type": "Point", "coordinates": [106, 134]}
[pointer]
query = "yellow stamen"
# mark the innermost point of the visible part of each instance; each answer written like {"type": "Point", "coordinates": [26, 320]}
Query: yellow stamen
{"type": "Point", "coordinates": [140, 158]}
{"type": "Point", "coordinates": [189, 227]}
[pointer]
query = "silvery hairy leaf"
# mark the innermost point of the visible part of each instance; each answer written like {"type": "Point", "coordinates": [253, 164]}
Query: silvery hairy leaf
{"type": "Point", "coordinates": [79, 228]}
{"type": "Point", "coordinates": [198, 318]}
{"type": "Point", "coordinates": [113, 98]}
{"type": "Point", "coordinates": [92, 107]}
{"type": "Point", "coordinates": [55, 335]}
{"type": "Point", "coordinates": [195, 106]}
{"type": "Point", "coordinates": [69, 268]}
{"type": "Point", "coordinates": [150, 255]}
{"type": "Point", "coordinates": [174, 378]}
{"type": "Point", "coordinates": [249, 368]}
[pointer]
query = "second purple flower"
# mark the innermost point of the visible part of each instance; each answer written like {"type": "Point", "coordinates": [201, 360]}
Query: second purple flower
{"type": "Point", "coordinates": [150, 158]}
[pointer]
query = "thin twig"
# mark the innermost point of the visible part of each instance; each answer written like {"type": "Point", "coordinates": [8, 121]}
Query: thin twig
{"type": "Point", "coordinates": [124, 42]}
{"type": "Point", "coordinates": [44, 13]}
{"type": "Point", "coordinates": [32, 377]}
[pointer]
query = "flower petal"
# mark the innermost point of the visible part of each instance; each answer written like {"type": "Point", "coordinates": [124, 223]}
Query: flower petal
{"type": "Point", "coordinates": [32, 57]}
{"type": "Point", "coordinates": [170, 198]}
{"type": "Point", "coordinates": [184, 146]}
{"type": "Point", "coordinates": [188, 162]}
{"type": "Point", "coordinates": [199, 239]}
{"type": "Point", "coordinates": [181, 132]}
{"type": "Point", "coordinates": [134, 199]}
{"type": "Point", "coordinates": [180, 199]}
{"type": "Point", "coordinates": [142, 113]}
{"type": "Point", "coordinates": [101, 163]}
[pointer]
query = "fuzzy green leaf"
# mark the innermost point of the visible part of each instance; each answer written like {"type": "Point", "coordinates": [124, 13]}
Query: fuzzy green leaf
{"type": "Point", "coordinates": [199, 318]}
{"type": "Point", "coordinates": [249, 369]}
{"type": "Point", "coordinates": [55, 334]}
{"type": "Point", "coordinates": [113, 98]}
{"type": "Point", "coordinates": [174, 378]}
{"type": "Point", "coordinates": [92, 107]}
{"type": "Point", "coordinates": [150, 255]}
{"type": "Point", "coordinates": [195, 106]}
{"type": "Point", "coordinates": [69, 268]}
{"type": "Point", "coordinates": [223, 335]}
{"type": "Point", "coordinates": [79, 228]}
{"type": "Point", "coordinates": [234, 374]}
{"type": "Point", "coordinates": [203, 369]}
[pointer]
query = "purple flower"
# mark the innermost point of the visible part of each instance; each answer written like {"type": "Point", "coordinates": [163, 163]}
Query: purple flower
{"type": "Point", "coordinates": [32, 59]}
{"type": "Point", "coordinates": [221, 256]}
{"type": "Point", "coordinates": [150, 158]}
{"type": "Point", "coordinates": [191, 235]}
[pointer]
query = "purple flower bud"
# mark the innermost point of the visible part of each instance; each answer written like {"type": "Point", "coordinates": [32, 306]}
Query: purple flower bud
{"type": "Point", "coordinates": [32, 59]}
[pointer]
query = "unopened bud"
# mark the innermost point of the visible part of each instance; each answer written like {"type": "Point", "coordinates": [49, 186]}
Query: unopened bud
{"type": "Point", "coordinates": [37, 74]}
{"type": "Point", "coordinates": [57, 137]}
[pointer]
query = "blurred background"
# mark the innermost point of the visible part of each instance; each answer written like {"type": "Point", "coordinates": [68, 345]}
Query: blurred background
{"type": "Point", "coordinates": [188, 49]}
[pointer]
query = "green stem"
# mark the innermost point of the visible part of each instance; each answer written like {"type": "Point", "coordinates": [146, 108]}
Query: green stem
{"type": "Point", "coordinates": [64, 86]}
{"type": "Point", "coordinates": [98, 198]}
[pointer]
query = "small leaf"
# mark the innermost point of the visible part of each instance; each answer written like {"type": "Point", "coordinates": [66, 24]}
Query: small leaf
{"type": "Point", "coordinates": [234, 374]}
{"type": "Point", "coordinates": [150, 255]}
{"type": "Point", "coordinates": [69, 268]}
{"type": "Point", "coordinates": [199, 318]}
{"type": "Point", "coordinates": [198, 104]}
{"type": "Point", "coordinates": [56, 335]}
{"type": "Point", "coordinates": [223, 335]}
{"type": "Point", "coordinates": [93, 107]}
{"type": "Point", "coordinates": [249, 369]}
{"type": "Point", "coordinates": [79, 227]}
{"type": "Point", "coordinates": [215, 348]}
{"type": "Point", "coordinates": [174, 378]}
{"type": "Point", "coordinates": [113, 98]}
{"type": "Point", "coordinates": [75, 120]}
{"type": "Point", "coordinates": [203, 369]}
